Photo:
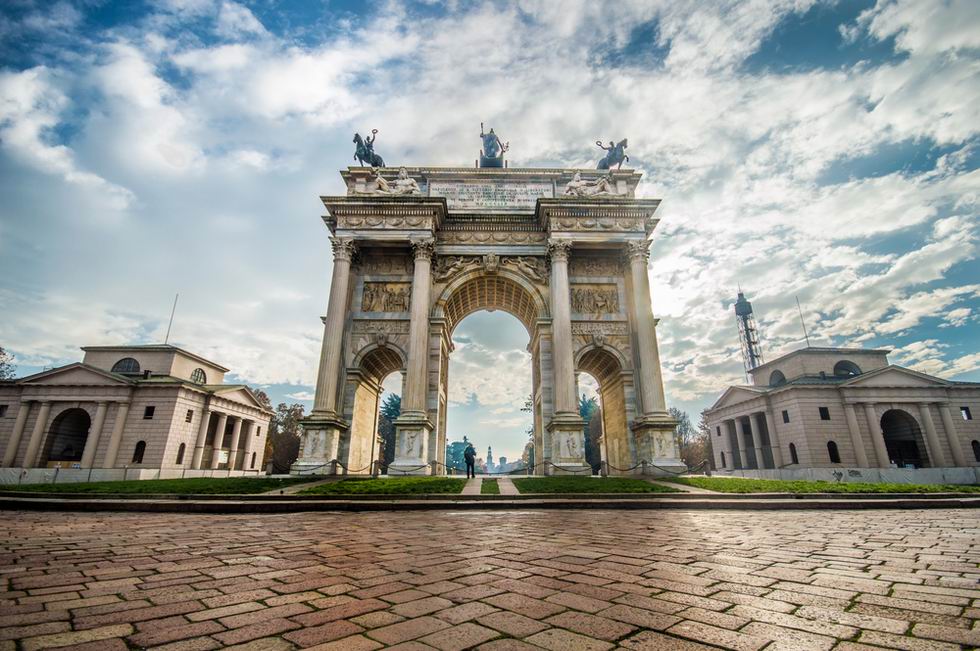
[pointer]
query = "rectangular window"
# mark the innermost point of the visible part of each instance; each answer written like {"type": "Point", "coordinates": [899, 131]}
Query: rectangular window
{"type": "Point", "coordinates": [785, 416]}
{"type": "Point", "coordinates": [258, 431]}
{"type": "Point", "coordinates": [964, 412]}
{"type": "Point", "coordinates": [3, 410]}
{"type": "Point", "coordinates": [718, 429]}
{"type": "Point", "coordinates": [190, 416]}
{"type": "Point", "coordinates": [824, 413]}
{"type": "Point", "coordinates": [148, 412]}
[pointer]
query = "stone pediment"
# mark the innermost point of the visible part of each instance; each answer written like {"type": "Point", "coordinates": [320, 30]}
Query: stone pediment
{"type": "Point", "coordinates": [239, 394]}
{"type": "Point", "coordinates": [76, 374]}
{"type": "Point", "coordinates": [735, 395]}
{"type": "Point", "coordinates": [895, 376]}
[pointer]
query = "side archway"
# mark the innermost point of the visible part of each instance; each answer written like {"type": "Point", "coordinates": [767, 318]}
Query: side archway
{"type": "Point", "coordinates": [373, 364]}
{"type": "Point", "coordinates": [607, 369]}
{"type": "Point", "coordinates": [66, 438]}
{"type": "Point", "coordinates": [903, 439]}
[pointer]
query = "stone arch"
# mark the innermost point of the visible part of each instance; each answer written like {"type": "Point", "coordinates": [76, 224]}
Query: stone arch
{"type": "Point", "coordinates": [501, 290]}
{"type": "Point", "coordinates": [903, 439]}
{"type": "Point", "coordinates": [372, 365]}
{"type": "Point", "coordinates": [605, 365]}
{"type": "Point", "coordinates": [66, 437]}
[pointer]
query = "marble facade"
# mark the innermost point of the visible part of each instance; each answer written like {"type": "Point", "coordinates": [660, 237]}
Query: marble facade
{"type": "Point", "coordinates": [409, 267]}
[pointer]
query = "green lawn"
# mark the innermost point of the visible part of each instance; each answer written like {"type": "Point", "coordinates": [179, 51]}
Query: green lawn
{"type": "Point", "coordinates": [198, 485]}
{"type": "Point", "coordinates": [489, 487]}
{"type": "Point", "coordinates": [740, 485]}
{"type": "Point", "coordinates": [388, 486]}
{"type": "Point", "coordinates": [573, 484]}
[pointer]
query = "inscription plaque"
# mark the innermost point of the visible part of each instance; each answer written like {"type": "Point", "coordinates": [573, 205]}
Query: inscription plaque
{"type": "Point", "coordinates": [491, 195]}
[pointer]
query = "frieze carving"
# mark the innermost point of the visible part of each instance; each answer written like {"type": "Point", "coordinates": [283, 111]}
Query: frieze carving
{"type": "Point", "coordinates": [604, 328]}
{"type": "Point", "coordinates": [602, 334]}
{"type": "Point", "coordinates": [529, 266]}
{"type": "Point", "coordinates": [615, 224]}
{"type": "Point", "coordinates": [386, 297]}
{"type": "Point", "coordinates": [372, 220]}
{"type": "Point", "coordinates": [495, 237]}
{"type": "Point", "coordinates": [595, 300]}
{"type": "Point", "coordinates": [450, 266]}
{"type": "Point", "coordinates": [595, 266]}
{"type": "Point", "coordinates": [380, 327]}
{"type": "Point", "coordinates": [386, 265]}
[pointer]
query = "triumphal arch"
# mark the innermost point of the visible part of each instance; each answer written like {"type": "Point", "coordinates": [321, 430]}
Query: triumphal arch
{"type": "Point", "coordinates": [417, 249]}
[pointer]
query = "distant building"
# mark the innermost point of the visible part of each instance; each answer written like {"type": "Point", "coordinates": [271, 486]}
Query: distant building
{"type": "Point", "coordinates": [151, 407]}
{"type": "Point", "coordinates": [844, 407]}
{"type": "Point", "coordinates": [502, 462]}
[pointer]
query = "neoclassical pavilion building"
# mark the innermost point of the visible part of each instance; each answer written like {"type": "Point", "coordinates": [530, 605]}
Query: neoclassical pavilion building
{"type": "Point", "coordinates": [147, 407]}
{"type": "Point", "coordinates": [844, 408]}
{"type": "Point", "coordinates": [418, 249]}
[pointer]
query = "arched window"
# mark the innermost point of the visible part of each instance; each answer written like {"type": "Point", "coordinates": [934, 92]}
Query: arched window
{"type": "Point", "coordinates": [253, 460]}
{"type": "Point", "coordinates": [180, 454]}
{"type": "Point", "coordinates": [138, 452]}
{"type": "Point", "coordinates": [792, 454]}
{"type": "Point", "coordinates": [723, 460]}
{"type": "Point", "coordinates": [199, 376]}
{"type": "Point", "coordinates": [126, 366]}
{"type": "Point", "coordinates": [976, 450]}
{"type": "Point", "coordinates": [845, 368]}
{"type": "Point", "coordinates": [777, 378]}
{"type": "Point", "coordinates": [832, 451]}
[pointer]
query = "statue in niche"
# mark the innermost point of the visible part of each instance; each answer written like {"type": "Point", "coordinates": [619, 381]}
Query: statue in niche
{"type": "Point", "coordinates": [364, 152]}
{"type": "Point", "coordinates": [578, 187]}
{"type": "Point", "coordinates": [529, 266]}
{"type": "Point", "coordinates": [492, 154]}
{"type": "Point", "coordinates": [615, 155]}
{"type": "Point", "coordinates": [404, 184]}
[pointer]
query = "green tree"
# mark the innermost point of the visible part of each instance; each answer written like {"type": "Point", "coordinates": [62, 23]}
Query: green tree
{"type": "Point", "coordinates": [282, 444]}
{"type": "Point", "coordinates": [454, 454]}
{"type": "Point", "coordinates": [6, 365]}
{"type": "Point", "coordinates": [391, 409]}
{"type": "Point", "coordinates": [588, 408]}
{"type": "Point", "coordinates": [694, 443]}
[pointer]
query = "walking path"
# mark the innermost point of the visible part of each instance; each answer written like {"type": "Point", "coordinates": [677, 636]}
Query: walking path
{"type": "Point", "coordinates": [506, 486]}
{"type": "Point", "coordinates": [473, 486]}
{"type": "Point", "coordinates": [683, 487]}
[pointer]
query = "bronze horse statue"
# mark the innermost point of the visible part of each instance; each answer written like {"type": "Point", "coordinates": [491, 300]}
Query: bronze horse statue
{"type": "Point", "coordinates": [365, 150]}
{"type": "Point", "coordinates": [615, 155]}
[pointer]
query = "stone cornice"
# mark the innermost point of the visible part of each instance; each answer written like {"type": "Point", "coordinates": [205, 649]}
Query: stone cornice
{"type": "Point", "coordinates": [370, 214]}
{"type": "Point", "coordinates": [606, 215]}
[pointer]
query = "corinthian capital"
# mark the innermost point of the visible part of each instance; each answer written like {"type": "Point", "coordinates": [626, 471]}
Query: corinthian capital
{"type": "Point", "coordinates": [638, 250]}
{"type": "Point", "coordinates": [343, 248]}
{"type": "Point", "coordinates": [424, 248]}
{"type": "Point", "coordinates": [558, 249]}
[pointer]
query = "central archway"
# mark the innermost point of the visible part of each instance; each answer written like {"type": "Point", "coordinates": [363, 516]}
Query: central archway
{"type": "Point", "coordinates": [66, 438]}
{"type": "Point", "coordinates": [508, 292]}
{"type": "Point", "coordinates": [903, 439]}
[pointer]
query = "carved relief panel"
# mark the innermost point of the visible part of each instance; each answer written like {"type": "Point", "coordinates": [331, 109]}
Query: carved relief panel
{"type": "Point", "coordinates": [595, 266]}
{"type": "Point", "coordinates": [595, 300]}
{"type": "Point", "coordinates": [602, 334]}
{"type": "Point", "coordinates": [385, 264]}
{"type": "Point", "coordinates": [386, 297]}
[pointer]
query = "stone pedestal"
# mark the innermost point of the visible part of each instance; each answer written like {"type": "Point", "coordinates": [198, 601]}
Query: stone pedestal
{"type": "Point", "coordinates": [412, 432]}
{"type": "Point", "coordinates": [656, 443]}
{"type": "Point", "coordinates": [567, 433]}
{"type": "Point", "coordinates": [318, 446]}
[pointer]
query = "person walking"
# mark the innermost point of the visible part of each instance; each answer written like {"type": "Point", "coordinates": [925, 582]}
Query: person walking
{"type": "Point", "coordinates": [469, 455]}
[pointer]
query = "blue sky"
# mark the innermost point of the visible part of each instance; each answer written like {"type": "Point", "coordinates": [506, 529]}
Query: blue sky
{"type": "Point", "coordinates": [814, 149]}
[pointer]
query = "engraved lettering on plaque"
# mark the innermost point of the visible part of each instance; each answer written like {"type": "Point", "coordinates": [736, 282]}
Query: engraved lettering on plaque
{"type": "Point", "coordinates": [490, 194]}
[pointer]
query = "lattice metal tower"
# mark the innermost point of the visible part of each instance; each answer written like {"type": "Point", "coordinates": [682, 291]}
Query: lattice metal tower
{"type": "Point", "coordinates": [748, 333]}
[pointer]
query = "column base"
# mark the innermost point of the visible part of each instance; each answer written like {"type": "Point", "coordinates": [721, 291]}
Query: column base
{"type": "Point", "coordinates": [656, 445]}
{"type": "Point", "coordinates": [412, 431]}
{"type": "Point", "coordinates": [319, 444]}
{"type": "Point", "coordinates": [567, 431]}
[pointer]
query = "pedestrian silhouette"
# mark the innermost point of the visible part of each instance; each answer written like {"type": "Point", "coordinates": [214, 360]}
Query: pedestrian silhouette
{"type": "Point", "coordinates": [469, 455]}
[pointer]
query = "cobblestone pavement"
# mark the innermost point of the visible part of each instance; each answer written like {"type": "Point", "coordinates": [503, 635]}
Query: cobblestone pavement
{"type": "Point", "coordinates": [558, 580]}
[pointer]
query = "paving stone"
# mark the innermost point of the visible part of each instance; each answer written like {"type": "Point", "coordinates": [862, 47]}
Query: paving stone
{"type": "Point", "coordinates": [313, 635]}
{"type": "Point", "coordinates": [462, 636]}
{"type": "Point", "coordinates": [718, 636]}
{"type": "Point", "coordinates": [591, 625]}
{"type": "Point", "coordinates": [465, 612]}
{"type": "Point", "coordinates": [512, 623]}
{"type": "Point", "coordinates": [558, 640]}
{"type": "Point", "coordinates": [653, 641]}
{"type": "Point", "coordinates": [75, 637]}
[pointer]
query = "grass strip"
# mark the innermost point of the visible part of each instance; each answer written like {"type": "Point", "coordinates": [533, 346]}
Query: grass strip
{"type": "Point", "coordinates": [196, 485]}
{"type": "Point", "coordinates": [489, 487]}
{"type": "Point", "coordinates": [573, 484]}
{"type": "Point", "coordinates": [388, 486]}
{"type": "Point", "coordinates": [744, 485]}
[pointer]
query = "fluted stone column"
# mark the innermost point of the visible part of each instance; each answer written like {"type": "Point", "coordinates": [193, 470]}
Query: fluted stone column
{"type": "Point", "coordinates": [951, 436]}
{"type": "Point", "coordinates": [34, 444]}
{"type": "Point", "coordinates": [412, 427]}
{"type": "Point", "coordinates": [855, 431]}
{"type": "Point", "coordinates": [777, 451]}
{"type": "Point", "coordinates": [236, 435]}
{"type": "Point", "coordinates": [115, 438]}
{"type": "Point", "coordinates": [566, 427]}
{"type": "Point", "coordinates": [202, 438]}
{"type": "Point", "coordinates": [325, 400]}
{"type": "Point", "coordinates": [877, 437]}
{"type": "Point", "coordinates": [95, 433]}
{"type": "Point", "coordinates": [10, 454]}
{"type": "Point", "coordinates": [936, 455]}
{"type": "Point", "coordinates": [219, 439]}
{"type": "Point", "coordinates": [747, 452]}
{"type": "Point", "coordinates": [248, 434]}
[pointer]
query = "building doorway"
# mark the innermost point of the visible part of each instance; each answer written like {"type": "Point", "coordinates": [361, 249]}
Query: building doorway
{"type": "Point", "coordinates": [66, 439]}
{"type": "Point", "coordinates": [903, 439]}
